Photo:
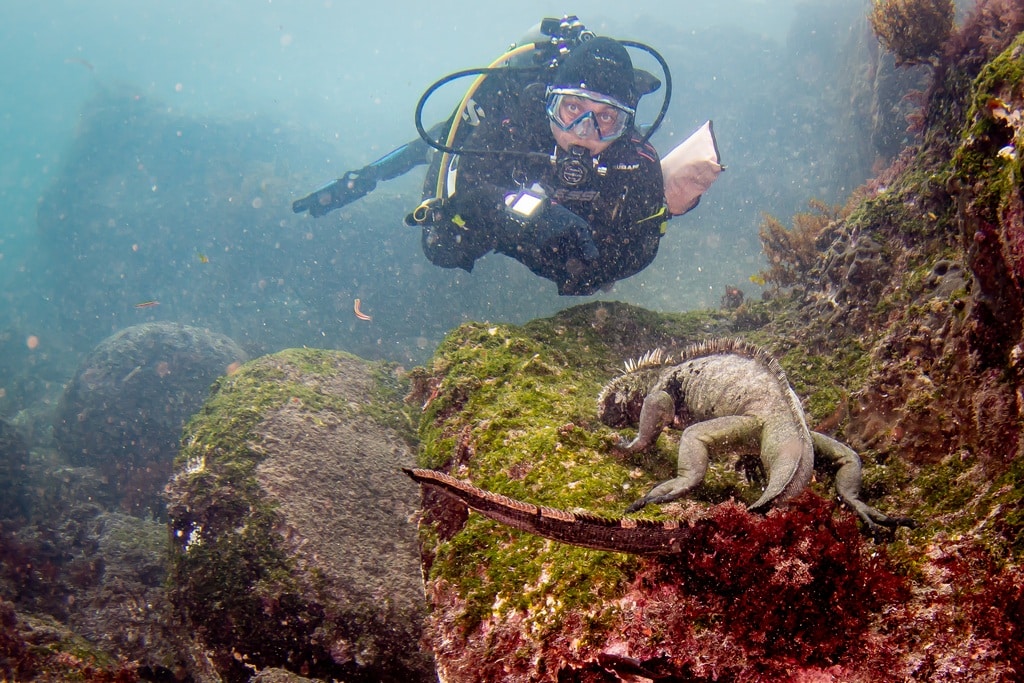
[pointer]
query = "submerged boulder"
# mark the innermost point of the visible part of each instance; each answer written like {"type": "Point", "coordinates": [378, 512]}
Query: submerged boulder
{"type": "Point", "coordinates": [13, 465]}
{"type": "Point", "coordinates": [293, 545]}
{"type": "Point", "coordinates": [117, 599]}
{"type": "Point", "coordinates": [123, 411]}
{"type": "Point", "coordinates": [512, 409]}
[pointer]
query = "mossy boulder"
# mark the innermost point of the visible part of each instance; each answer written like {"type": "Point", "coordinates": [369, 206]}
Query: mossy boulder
{"type": "Point", "coordinates": [293, 545]}
{"type": "Point", "coordinates": [986, 175]}
{"type": "Point", "coordinates": [512, 409]}
{"type": "Point", "coordinates": [43, 650]}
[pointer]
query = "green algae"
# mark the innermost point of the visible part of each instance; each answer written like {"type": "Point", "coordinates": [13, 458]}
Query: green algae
{"type": "Point", "coordinates": [976, 162]}
{"type": "Point", "coordinates": [941, 485]}
{"type": "Point", "coordinates": [824, 382]}
{"type": "Point", "coordinates": [228, 561]}
{"type": "Point", "coordinates": [242, 400]}
{"type": "Point", "coordinates": [515, 412]}
{"type": "Point", "coordinates": [1009, 494]}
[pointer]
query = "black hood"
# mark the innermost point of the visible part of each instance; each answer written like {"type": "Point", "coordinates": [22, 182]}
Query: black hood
{"type": "Point", "coordinates": [601, 65]}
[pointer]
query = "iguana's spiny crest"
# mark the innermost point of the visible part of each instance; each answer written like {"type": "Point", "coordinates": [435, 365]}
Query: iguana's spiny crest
{"type": "Point", "coordinates": [620, 401]}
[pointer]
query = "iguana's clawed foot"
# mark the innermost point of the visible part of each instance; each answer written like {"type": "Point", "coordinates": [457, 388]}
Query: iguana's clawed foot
{"type": "Point", "coordinates": [665, 492]}
{"type": "Point", "coordinates": [879, 524]}
{"type": "Point", "coordinates": [641, 503]}
{"type": "Point", "coordinates": [623, 445]}
{"type": "Point", "coordinates": [637, 505]}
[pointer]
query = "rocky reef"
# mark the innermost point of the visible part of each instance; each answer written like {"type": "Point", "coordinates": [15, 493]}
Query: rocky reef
{"type": "Point", "coordinates": [903, 336]}
{"type": "Point", "coordinates": [898, 317]}
{"type": "Point", "coordinates": [513, 410]}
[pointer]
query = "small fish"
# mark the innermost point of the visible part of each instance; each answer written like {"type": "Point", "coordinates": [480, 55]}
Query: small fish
{"type": "Point", "coordinates": [79, 60]}
{"type": "Point", "coordinates": [147, 304]}
{"type": "Point", "coordinates": [360, 314]}
{"type": "Point", "coordinates": [203, 258]}
{"type": "Point", "coordinates": [757, 279]}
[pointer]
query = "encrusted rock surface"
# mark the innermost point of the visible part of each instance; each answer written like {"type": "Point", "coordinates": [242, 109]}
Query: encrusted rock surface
{"type": "Point", "coordinates": [798, 594]}
{"type": "Point", "coordinates": [294, 545]}
{"type": "Point", "coordinates": [89, 588]}
{"type": "Point", "coordinates": [513, 410]}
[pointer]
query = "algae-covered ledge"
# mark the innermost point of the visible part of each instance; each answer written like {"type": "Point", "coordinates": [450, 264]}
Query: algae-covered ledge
{"type": "Point", "coordinates": [512, 408]}
{"type": "Point", "coordinates": [517, 416]}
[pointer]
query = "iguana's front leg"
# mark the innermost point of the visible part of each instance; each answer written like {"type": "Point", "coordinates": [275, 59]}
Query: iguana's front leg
{"type": "Point", "coordinates": [694, 443]}
{"type": "Point", "coordinates": [657, 411]}
{"type": "Point", "coordinates": [848, 481]}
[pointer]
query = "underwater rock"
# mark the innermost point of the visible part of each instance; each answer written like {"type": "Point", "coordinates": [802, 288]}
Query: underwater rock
{"type": "Point", "coordinates": [852, 270]}
{"type": "Point", "coordinates": [89, 583]}
{"type": "Point", "coordinates": [985, 181]}
{"type": "Point", "coordinates": [116, 574]}
{"type": "Point", "coordinates": [797, 594]}
{"type": "Point", "coordinates": [293, 545]}
{"type": "Point", "coordinates": [43, 650]}
{"type": "Point", "coordinates": [123, 411]}
{"type": "Point", "coordinates": [945, 279]}
{"type": "Point", "coordinates": [13, 464]}
{"type": "Point", "coordinates": [273, 675]}
{"type": "Point", "coordinates": [750, 597]}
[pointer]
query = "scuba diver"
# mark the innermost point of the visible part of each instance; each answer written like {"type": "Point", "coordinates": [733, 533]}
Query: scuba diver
{"type": "Point", "coordinates": [543, 161]}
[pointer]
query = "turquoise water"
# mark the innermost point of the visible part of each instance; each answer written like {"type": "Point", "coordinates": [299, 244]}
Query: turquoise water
{"type": "Point", "coordinates": [149, 152]}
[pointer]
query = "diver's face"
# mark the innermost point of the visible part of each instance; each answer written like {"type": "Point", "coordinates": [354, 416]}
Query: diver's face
{"type": "Point", "coordinates": [586, 133]}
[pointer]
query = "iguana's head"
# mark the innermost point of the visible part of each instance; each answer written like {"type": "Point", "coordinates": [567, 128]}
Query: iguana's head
{"type": "Point", "coordinates": [619, 403]}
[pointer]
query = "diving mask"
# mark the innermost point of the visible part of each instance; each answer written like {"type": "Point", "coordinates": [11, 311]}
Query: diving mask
{"type": "Point", "coordinates": [586, 113]}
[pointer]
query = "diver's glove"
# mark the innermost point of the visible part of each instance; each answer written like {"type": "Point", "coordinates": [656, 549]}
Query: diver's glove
{"type": "Point", "coordinates": [553, 237]}
{"type": "Point", "coordinates": [344, 190]}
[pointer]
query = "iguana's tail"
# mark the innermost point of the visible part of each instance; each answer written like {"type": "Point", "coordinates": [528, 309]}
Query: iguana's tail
{"type": "Point", "coordinates": [625, 535]}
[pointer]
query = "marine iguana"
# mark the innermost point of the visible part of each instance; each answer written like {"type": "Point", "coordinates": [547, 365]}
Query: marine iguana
{"type": "Point", "coordinates": [724, 393]}
{"type": "Point", "coordinates": [727, 393]}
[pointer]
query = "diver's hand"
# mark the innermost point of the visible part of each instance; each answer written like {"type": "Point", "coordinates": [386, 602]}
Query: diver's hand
{"type": "Point", "coordinates": [558, 231]}
{"type": "Point", "coordinates": [344, 190]}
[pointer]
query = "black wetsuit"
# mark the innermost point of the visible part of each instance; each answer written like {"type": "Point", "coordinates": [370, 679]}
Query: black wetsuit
{"type": "Point", "coordinates": [621, 196]}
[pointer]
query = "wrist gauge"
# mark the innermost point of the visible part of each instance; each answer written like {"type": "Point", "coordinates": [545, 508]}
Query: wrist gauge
{"type": "Point", "coordinates": [526, 203]}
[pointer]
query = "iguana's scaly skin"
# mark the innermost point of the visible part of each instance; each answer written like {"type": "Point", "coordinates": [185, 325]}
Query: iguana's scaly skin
{"type": "Point", "coordinates": [727, 393]}
{"type": "Point", "coordinates": [724, 394]}
{"type": "Point", "coordinates": [640, 536]}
